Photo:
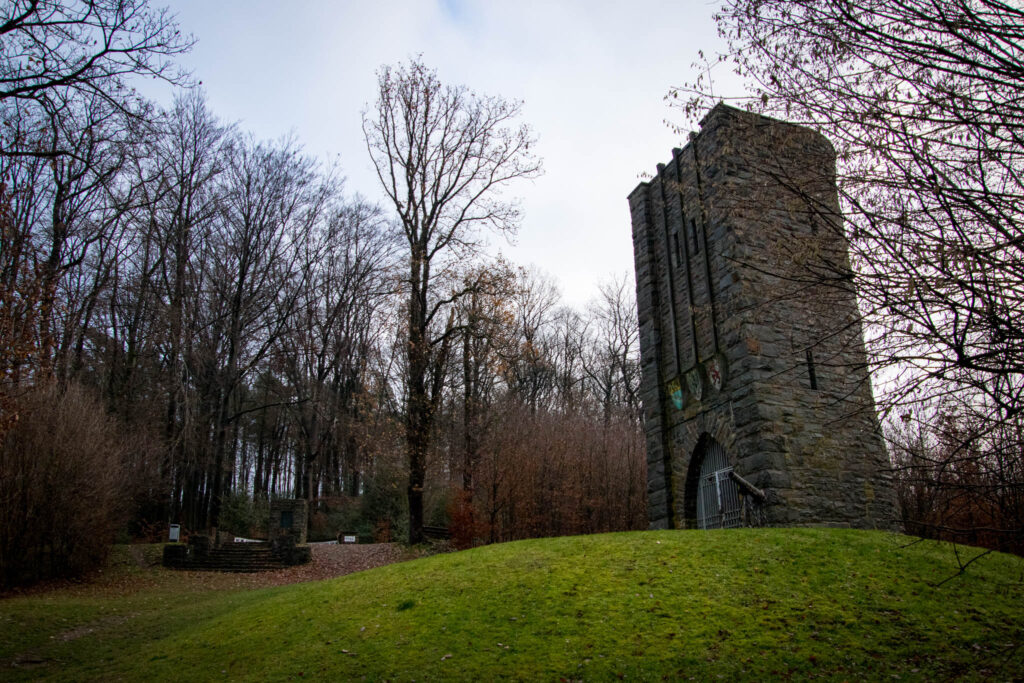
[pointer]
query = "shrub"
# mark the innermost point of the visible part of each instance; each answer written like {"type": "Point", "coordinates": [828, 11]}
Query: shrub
{"type": "Point", "coordinates": [961, 480]}
{"type": "Point", "coordinates": [383, 506]}
{"type": "Point", "coordinates": [245, 516]}
{"type": "Point", "coordinates": [63, 489]}
{"type": "Point", "coordinates": [462, 522]}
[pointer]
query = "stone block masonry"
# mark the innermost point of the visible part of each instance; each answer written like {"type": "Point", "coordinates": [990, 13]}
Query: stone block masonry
{"type": "Point", "coordinates": [751, 344]}
{"type": "Point", "coordinates": [288, 520]}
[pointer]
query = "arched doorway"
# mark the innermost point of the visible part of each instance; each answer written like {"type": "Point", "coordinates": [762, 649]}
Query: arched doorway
{"type": "Point", "coordinates": [717, 498]}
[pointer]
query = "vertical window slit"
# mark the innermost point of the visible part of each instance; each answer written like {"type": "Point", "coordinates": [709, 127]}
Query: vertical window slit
{"type": "Point", "coordinates": [693, 235]}
{"type": "Point", "coordinates": [810, 370]}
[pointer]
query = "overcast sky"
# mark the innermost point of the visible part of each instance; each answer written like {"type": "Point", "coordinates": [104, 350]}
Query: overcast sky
{"type": "Point", "coordinates": [592, 75]}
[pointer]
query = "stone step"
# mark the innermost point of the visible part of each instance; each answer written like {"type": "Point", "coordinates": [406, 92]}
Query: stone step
{"type": "Point", "coordinates": [266, 552]}
{"type": "Point", "coordinates": [254, 566]}
{"type": "Point", "coordinates": [239, 557]}
{"type": "Point", "coordinates": [230, 557]}
{"type": "Point", "coordinates": [239, 569]}
{"type": "Point", "coordinates": [227, 560]}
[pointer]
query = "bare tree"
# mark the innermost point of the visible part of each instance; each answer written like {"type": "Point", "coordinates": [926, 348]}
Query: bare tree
{"type": "Point", "coordinates": [182, 196]}
{"type": "Point", "coordinates": [68, 205]}
{"type": "Point", "coordinates": [483, 316]}
{"type": "Point", "coordinates": [86, 46]}
{"type": "Point", "coordinates": [329, 338]}
{"type": "Point", "coordinates": [274, 197]}
{"type": "Point", "coordinates": [566, 343]}
{"type": "Point", "coordinates": [613, 364]}
{"type": "Point", "coordinates": [62, 64]}
{"type": "Point", "coordinates": [529, 372]}
{"type": "Point", "coordinates": [442, 155]}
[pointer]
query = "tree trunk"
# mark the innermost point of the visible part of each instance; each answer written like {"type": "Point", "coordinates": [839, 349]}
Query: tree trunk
{"type": "Point", "coordinates": [418, 416]}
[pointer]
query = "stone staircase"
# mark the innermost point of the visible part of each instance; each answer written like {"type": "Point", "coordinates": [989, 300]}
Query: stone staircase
{"type": "Point", "coordinates": [241, 557]}
{"type": "Point", "coordinates": [228, 557]}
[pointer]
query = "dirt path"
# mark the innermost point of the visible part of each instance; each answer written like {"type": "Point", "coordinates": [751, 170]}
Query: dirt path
{"type": "Point", "coordinates": [329, 561]}
{"type": "Point", "coordinates": [337, 559]}
{"type": "Point", "coordinates": [138, 568]}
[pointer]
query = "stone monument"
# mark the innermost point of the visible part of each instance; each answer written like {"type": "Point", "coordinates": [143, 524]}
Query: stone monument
{"type": "Point", "coordinates": [757, 402]}
{"type": "Point", "coordinates": [288, 520]}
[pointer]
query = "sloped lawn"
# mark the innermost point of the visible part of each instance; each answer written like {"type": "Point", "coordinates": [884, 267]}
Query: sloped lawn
{"type": "Point", "coordinates": [735, 604]}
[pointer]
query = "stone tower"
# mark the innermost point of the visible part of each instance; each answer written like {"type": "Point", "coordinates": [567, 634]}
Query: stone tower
{"type": "Point", "coordinates": [757, 402]}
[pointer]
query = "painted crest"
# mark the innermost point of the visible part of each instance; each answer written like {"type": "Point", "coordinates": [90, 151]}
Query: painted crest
{"type": "Point", "coordinates": [715, 369]}
{"type": "Point", "coordinates": [675, 391]}
{"type": "Point", "coordinates": [695, 384]}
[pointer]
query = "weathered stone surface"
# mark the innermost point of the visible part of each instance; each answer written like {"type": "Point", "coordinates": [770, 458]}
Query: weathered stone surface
{"type": "Point", "coordinates": [739, 255]}
{"type": "Point", "coordinates": [288, 519]}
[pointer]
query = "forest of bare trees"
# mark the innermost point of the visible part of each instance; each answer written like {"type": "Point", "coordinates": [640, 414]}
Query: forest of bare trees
{"type": "Point", "coordinates": [194, 321]}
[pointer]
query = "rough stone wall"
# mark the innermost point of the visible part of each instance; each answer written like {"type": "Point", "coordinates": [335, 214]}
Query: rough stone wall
{"type": "Point", "coordinates": [299, 510]}
{"type": "Point", "coordinates": [747, 317]}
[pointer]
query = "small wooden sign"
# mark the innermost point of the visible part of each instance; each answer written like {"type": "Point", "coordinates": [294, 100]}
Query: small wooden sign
{"type": "Point", "coordinates": [348, 539]}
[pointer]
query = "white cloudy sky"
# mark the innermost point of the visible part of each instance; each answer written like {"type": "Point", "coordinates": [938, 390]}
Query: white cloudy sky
{"type": "Point", "coordinates": [592, 75]}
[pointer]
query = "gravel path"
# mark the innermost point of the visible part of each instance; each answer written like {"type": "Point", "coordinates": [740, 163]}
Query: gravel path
{"type": "Point", "coordinates": [337, 559]}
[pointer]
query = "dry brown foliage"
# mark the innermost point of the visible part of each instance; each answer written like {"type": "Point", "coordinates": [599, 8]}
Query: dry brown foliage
{"type": "Point", "coordinates": [63, 488]}
{"type": "Point", "coordinates": [957, 483]}
{"type": "Point", "coordinates": [554, 474]}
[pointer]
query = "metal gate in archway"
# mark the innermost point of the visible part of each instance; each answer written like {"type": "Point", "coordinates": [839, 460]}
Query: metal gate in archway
{"type": "Point", "coordinates": [718, 497]}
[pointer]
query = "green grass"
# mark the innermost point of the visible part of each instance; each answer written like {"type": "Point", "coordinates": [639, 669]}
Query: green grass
{"type": "Point", "coordinates": [738, 604]}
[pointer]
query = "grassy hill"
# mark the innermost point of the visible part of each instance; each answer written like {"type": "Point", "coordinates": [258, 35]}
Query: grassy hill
{"type": "Point", "coordinates": [736, 604]}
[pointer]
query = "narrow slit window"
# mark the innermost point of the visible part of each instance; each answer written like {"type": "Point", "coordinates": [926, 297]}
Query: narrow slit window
{"type": "Point", "coordinates": [693, 236]}
{"type": "Point", "coordinates": [678, 250]}
{"type": "Point", "coordinates": [810, 370]}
